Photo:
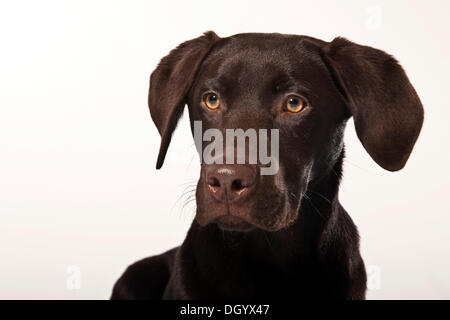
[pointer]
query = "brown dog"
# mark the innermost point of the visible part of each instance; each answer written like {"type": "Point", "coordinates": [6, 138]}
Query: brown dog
{"type": "Point", "coordinates": [286, 234]}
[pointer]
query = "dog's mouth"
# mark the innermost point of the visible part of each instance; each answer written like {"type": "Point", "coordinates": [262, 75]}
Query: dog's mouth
{"type": "Point", "coordinates": [232, 223]}
{"type": "Point", "coordinates": [248, 216]}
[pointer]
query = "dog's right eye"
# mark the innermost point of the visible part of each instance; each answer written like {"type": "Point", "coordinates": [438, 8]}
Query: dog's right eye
{"type": "Point", "coordinates": [295, 104]}
{"type": "Point", "coordinates": [211, 101]}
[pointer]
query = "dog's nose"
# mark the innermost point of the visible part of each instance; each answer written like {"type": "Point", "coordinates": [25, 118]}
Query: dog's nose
{"type": "Point", "coordinates": [230, 182]}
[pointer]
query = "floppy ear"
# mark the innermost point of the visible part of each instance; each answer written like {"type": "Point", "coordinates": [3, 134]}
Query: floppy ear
{"type": "Point", "coordinates": [171, 81]}
{"type": "Point", "coordinates": [387, 112]}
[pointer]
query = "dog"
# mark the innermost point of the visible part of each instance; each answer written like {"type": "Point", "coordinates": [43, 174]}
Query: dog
{"type": "Point", "coordinates": [283, 235]}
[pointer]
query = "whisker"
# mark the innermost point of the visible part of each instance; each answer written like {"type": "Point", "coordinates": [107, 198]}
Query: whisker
{"type": "Point", "coordinates": [357, 166]}
{"type": "Point", "coordinates": [190, 182]}
{"type": "Point", "coordinates": [295, 196]}
{"type": "Point", "coordinates": [187, 192]}
{"type": "Point", "coordinates": [335, 173]}
{"type": "Point", "coordinates": [267, 239]}
{"type": "Point", "coordinates": [322, 196]}
{"type": "Point", "coordinates": [312, 204]}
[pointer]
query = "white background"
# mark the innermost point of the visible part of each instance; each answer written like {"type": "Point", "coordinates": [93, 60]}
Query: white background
{"type": "Point", "coordinates": [78, 185]}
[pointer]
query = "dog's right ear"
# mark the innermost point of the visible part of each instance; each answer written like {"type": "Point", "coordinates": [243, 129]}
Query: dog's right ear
{"type": "Point", "coordinates": [170, 83]}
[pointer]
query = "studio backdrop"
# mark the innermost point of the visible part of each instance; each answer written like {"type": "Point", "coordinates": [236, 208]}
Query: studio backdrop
{"type": "Point", "coordinates": [80, 198]}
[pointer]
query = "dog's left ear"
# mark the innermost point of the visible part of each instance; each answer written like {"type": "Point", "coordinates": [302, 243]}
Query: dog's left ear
{"type": "Point", "coordinates": [387, 112]}
{"type": "Point", "coordinates": [170, 83]}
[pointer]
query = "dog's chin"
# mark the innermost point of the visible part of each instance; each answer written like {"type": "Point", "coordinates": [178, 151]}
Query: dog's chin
{"type": "Point", "coordinates": [233, 223]}
{"type": "Point", "coordinates": [247, 219]}
{"type": "Point", "coordinates": [229, 222]}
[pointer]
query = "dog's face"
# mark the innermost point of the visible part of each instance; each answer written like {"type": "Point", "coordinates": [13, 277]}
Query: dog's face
{"type": "Point", "coordinates": [265, 82]}
{"type": "Point", "coordinates": [304, 88]}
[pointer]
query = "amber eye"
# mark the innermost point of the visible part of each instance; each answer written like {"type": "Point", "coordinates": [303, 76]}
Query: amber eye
{"type": "Point", "coordinates": [295, 104]}
{"type": "Point", "coordinates": [211, 101]}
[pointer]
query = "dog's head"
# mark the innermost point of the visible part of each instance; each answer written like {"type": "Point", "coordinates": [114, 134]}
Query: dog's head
{"type": "Point", "coordinates": [291, 97]}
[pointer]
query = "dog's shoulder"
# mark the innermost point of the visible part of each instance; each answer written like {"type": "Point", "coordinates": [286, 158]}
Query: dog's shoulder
{"type": "Point", "coordinates": [146, 278]}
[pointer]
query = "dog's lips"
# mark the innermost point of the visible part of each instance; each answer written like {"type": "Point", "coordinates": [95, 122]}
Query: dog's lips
{"type": "Point", "coordinates": [233, 223]}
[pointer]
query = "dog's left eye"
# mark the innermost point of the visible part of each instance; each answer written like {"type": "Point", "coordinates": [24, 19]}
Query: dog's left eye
{"type": "Point", "coordinates": [211, 100]}
{"type": "Point", "coordinates": [295, 104]}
